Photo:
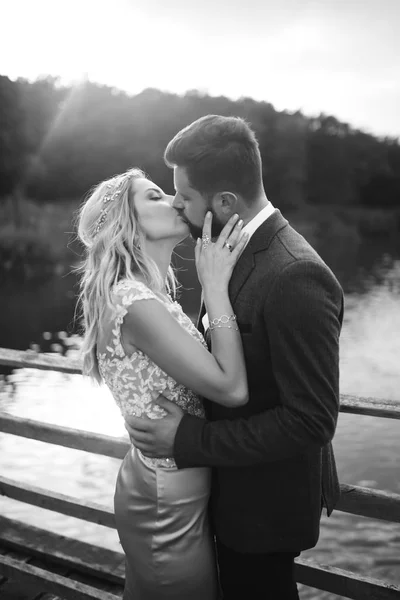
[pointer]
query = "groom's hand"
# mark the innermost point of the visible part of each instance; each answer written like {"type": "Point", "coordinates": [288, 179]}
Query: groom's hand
{"type": "Point", "coordinates": [155, 437]}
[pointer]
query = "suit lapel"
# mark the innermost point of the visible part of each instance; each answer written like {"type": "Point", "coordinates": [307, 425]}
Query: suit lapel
{"type": "Point", "coordinates": [260, 240]}
{"type": "Point", "coordinates": [242, 270]}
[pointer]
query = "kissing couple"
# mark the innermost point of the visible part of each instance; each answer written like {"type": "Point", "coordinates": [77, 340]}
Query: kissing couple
{"type": "Point", "coordinates": [231, 422]}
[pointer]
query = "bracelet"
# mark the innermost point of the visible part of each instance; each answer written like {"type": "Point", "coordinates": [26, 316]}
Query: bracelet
{"type": "Point", "coordinates": [222, 322]}
{"type": "Point", "coordinates": [223, 319]}
{"type": "Point", "coordinates": [212, 327]}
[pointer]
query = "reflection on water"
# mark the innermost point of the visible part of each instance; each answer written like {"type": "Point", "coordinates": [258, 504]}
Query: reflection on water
{"type": "Point", "coordinates": [73, 402]}
{"type": "Point", "coordinates": [367, 448]}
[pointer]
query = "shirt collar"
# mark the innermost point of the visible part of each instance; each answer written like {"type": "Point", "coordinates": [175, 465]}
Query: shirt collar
{"type": "Point", "coordinates": [258, 220]}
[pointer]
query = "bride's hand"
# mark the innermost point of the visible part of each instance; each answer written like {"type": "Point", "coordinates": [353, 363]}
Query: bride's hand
{"type": "Point", "coordinates": [215, 261]}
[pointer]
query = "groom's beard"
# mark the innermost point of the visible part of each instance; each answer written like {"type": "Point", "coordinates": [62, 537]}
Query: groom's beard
{"type": "Point", "coordinates": [196, 231]}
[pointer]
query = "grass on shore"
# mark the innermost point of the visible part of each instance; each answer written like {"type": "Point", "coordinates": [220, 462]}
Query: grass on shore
{"type": "Point", "coordinates": [38, 239]}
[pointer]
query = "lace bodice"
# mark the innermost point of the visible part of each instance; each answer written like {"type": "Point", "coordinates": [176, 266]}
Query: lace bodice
{"type": "Point", "coordinates": [134, 380]}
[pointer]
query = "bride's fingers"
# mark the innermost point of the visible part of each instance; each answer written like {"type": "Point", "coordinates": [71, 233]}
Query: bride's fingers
{"type": "Point", "coordinates": [240, 245]}
{"type": "Point", "coordinates": [227, 230]}
{"type": "Point", "coordinates": [197, 249]}
{"type": "Point", "coordinates": [234, 236]}
{"type": "Point", "coordinates": [207, 226]}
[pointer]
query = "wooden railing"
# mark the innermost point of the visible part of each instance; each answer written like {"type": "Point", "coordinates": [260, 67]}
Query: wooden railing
{"type": "Point", "coordinates": [356, 500]}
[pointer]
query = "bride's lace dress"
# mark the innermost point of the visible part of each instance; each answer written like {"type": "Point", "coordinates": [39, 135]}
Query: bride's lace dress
{"type": "Point", "coordinates": [135, 380]}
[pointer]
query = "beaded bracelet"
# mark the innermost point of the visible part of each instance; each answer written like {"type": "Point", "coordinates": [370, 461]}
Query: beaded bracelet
{"type": "Point", "coordinates": [223, 321]}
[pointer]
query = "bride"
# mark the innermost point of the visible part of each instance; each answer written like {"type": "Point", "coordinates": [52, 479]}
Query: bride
{"type": "Point", "coordinates": [142, 345]}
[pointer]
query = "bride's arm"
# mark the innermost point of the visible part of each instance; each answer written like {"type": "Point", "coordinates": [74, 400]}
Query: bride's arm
{"type": "Point", "coordinates": [151, 328]}
{"type": "Point", "coordinates": [220, 376]}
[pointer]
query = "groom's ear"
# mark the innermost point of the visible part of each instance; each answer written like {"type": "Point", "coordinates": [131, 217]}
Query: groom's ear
{"type": "Point", "coordinates": [226, 203]}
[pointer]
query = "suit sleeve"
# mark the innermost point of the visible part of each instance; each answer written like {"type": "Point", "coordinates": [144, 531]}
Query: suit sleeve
{"type": "Point", "coordinates": [302, 317]}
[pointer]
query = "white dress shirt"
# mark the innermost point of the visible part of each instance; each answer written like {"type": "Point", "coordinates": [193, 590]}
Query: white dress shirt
{"type": "Point", "coordinates": [250, 228]}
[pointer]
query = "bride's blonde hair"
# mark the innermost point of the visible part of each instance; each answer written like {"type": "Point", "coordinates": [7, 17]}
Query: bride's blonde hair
{"type": "Point", "coordinates": [109, 229]}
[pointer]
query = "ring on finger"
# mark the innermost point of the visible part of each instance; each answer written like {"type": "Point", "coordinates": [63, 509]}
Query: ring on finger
{"type": "Point", "coordinates": [206, 240]}
{"type": "Point", "coordinates": [229, 246]}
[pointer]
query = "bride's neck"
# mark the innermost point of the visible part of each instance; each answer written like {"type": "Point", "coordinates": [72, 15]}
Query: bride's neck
{"type": "Point", "coordinates": [161, 253]}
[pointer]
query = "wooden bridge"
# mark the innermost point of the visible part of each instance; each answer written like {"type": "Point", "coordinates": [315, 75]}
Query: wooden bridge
{"type": "Point", "coordinates": [39, 565]}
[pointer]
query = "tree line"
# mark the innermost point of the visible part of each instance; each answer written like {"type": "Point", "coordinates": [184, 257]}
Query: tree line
{"type": "Point", "coordinates": [57, 141]}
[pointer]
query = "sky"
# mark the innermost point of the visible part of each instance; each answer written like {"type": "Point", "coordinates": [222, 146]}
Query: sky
{"type": "Point", "coordinates": [340, 57]}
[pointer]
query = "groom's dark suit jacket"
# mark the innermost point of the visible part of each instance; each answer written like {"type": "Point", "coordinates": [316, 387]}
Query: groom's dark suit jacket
{"type": "Point", "coordinates": [273, 459]}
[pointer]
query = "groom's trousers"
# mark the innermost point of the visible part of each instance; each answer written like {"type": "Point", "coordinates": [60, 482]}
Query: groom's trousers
{"type": "Point", "coordinates": [268, 576]}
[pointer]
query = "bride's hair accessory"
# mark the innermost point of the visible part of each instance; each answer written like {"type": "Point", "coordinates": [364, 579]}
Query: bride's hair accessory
{"type": "Point", "coordinates": [223, 321]}
{"type": "Point", "coordinates": [109, 197]}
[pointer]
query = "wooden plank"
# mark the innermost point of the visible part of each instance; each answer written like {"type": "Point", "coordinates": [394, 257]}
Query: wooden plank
{"type": "Point", "coordinates": [39, 360]}
{"type": "Point", "coordinates": [54, 568]}
{"type": "Point", "coordinates": [11, 588]}
{"type": "Point", "coordinates": [87, 558]}
{"type": "Point", "coordinates": [101, 584]}
{"type": "Point", "coordinates": [374, 407]}
{"type": "Point", "coordinates": [22, 554]}
{"type": "Point", "coordinates": [16, 590]}
{"type": "Point", "coordinates": [109, 565]}
{"type": "Point", "coordinates": [48, 564]}
{"type": "Point", "coordinates": [48, 596]}
{"type": "Point", "coordinates": [343, 583]}
{"type": "Point", "coordinates": [2, 579]}
{"type": "Point", "coordinates": [115, 447]}
{"type": "Point", "coordinates": [51, 582]}
{"type": "Point", "coordinates": [66, 505]}
{"type": "Point", "coordinates": [374, 504]}
{"type": "Point", "coordinates": [366, 502]}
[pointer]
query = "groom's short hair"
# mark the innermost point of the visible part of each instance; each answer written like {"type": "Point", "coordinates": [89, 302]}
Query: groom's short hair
{"type": "Point", "coordinates": [219, 154]}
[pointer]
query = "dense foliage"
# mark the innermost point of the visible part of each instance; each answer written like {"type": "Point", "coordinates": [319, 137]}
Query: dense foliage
{"type": "Point", "coordinates": [56, 142]}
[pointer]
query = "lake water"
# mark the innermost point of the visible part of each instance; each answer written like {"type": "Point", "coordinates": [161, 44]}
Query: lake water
{"type": "Point", "coordinates": [367, 449]}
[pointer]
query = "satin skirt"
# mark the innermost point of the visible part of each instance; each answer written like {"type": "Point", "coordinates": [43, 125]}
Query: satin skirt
{"type": "Point", "coordinates": [161, 516]}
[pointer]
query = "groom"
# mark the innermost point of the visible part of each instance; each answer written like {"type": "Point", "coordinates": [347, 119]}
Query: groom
{"type": "Point", "coordinates": [273, 459]}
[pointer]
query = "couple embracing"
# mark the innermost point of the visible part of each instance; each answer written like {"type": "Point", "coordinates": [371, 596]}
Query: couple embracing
{"type": "Point", "coordinates": [231, 421]}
